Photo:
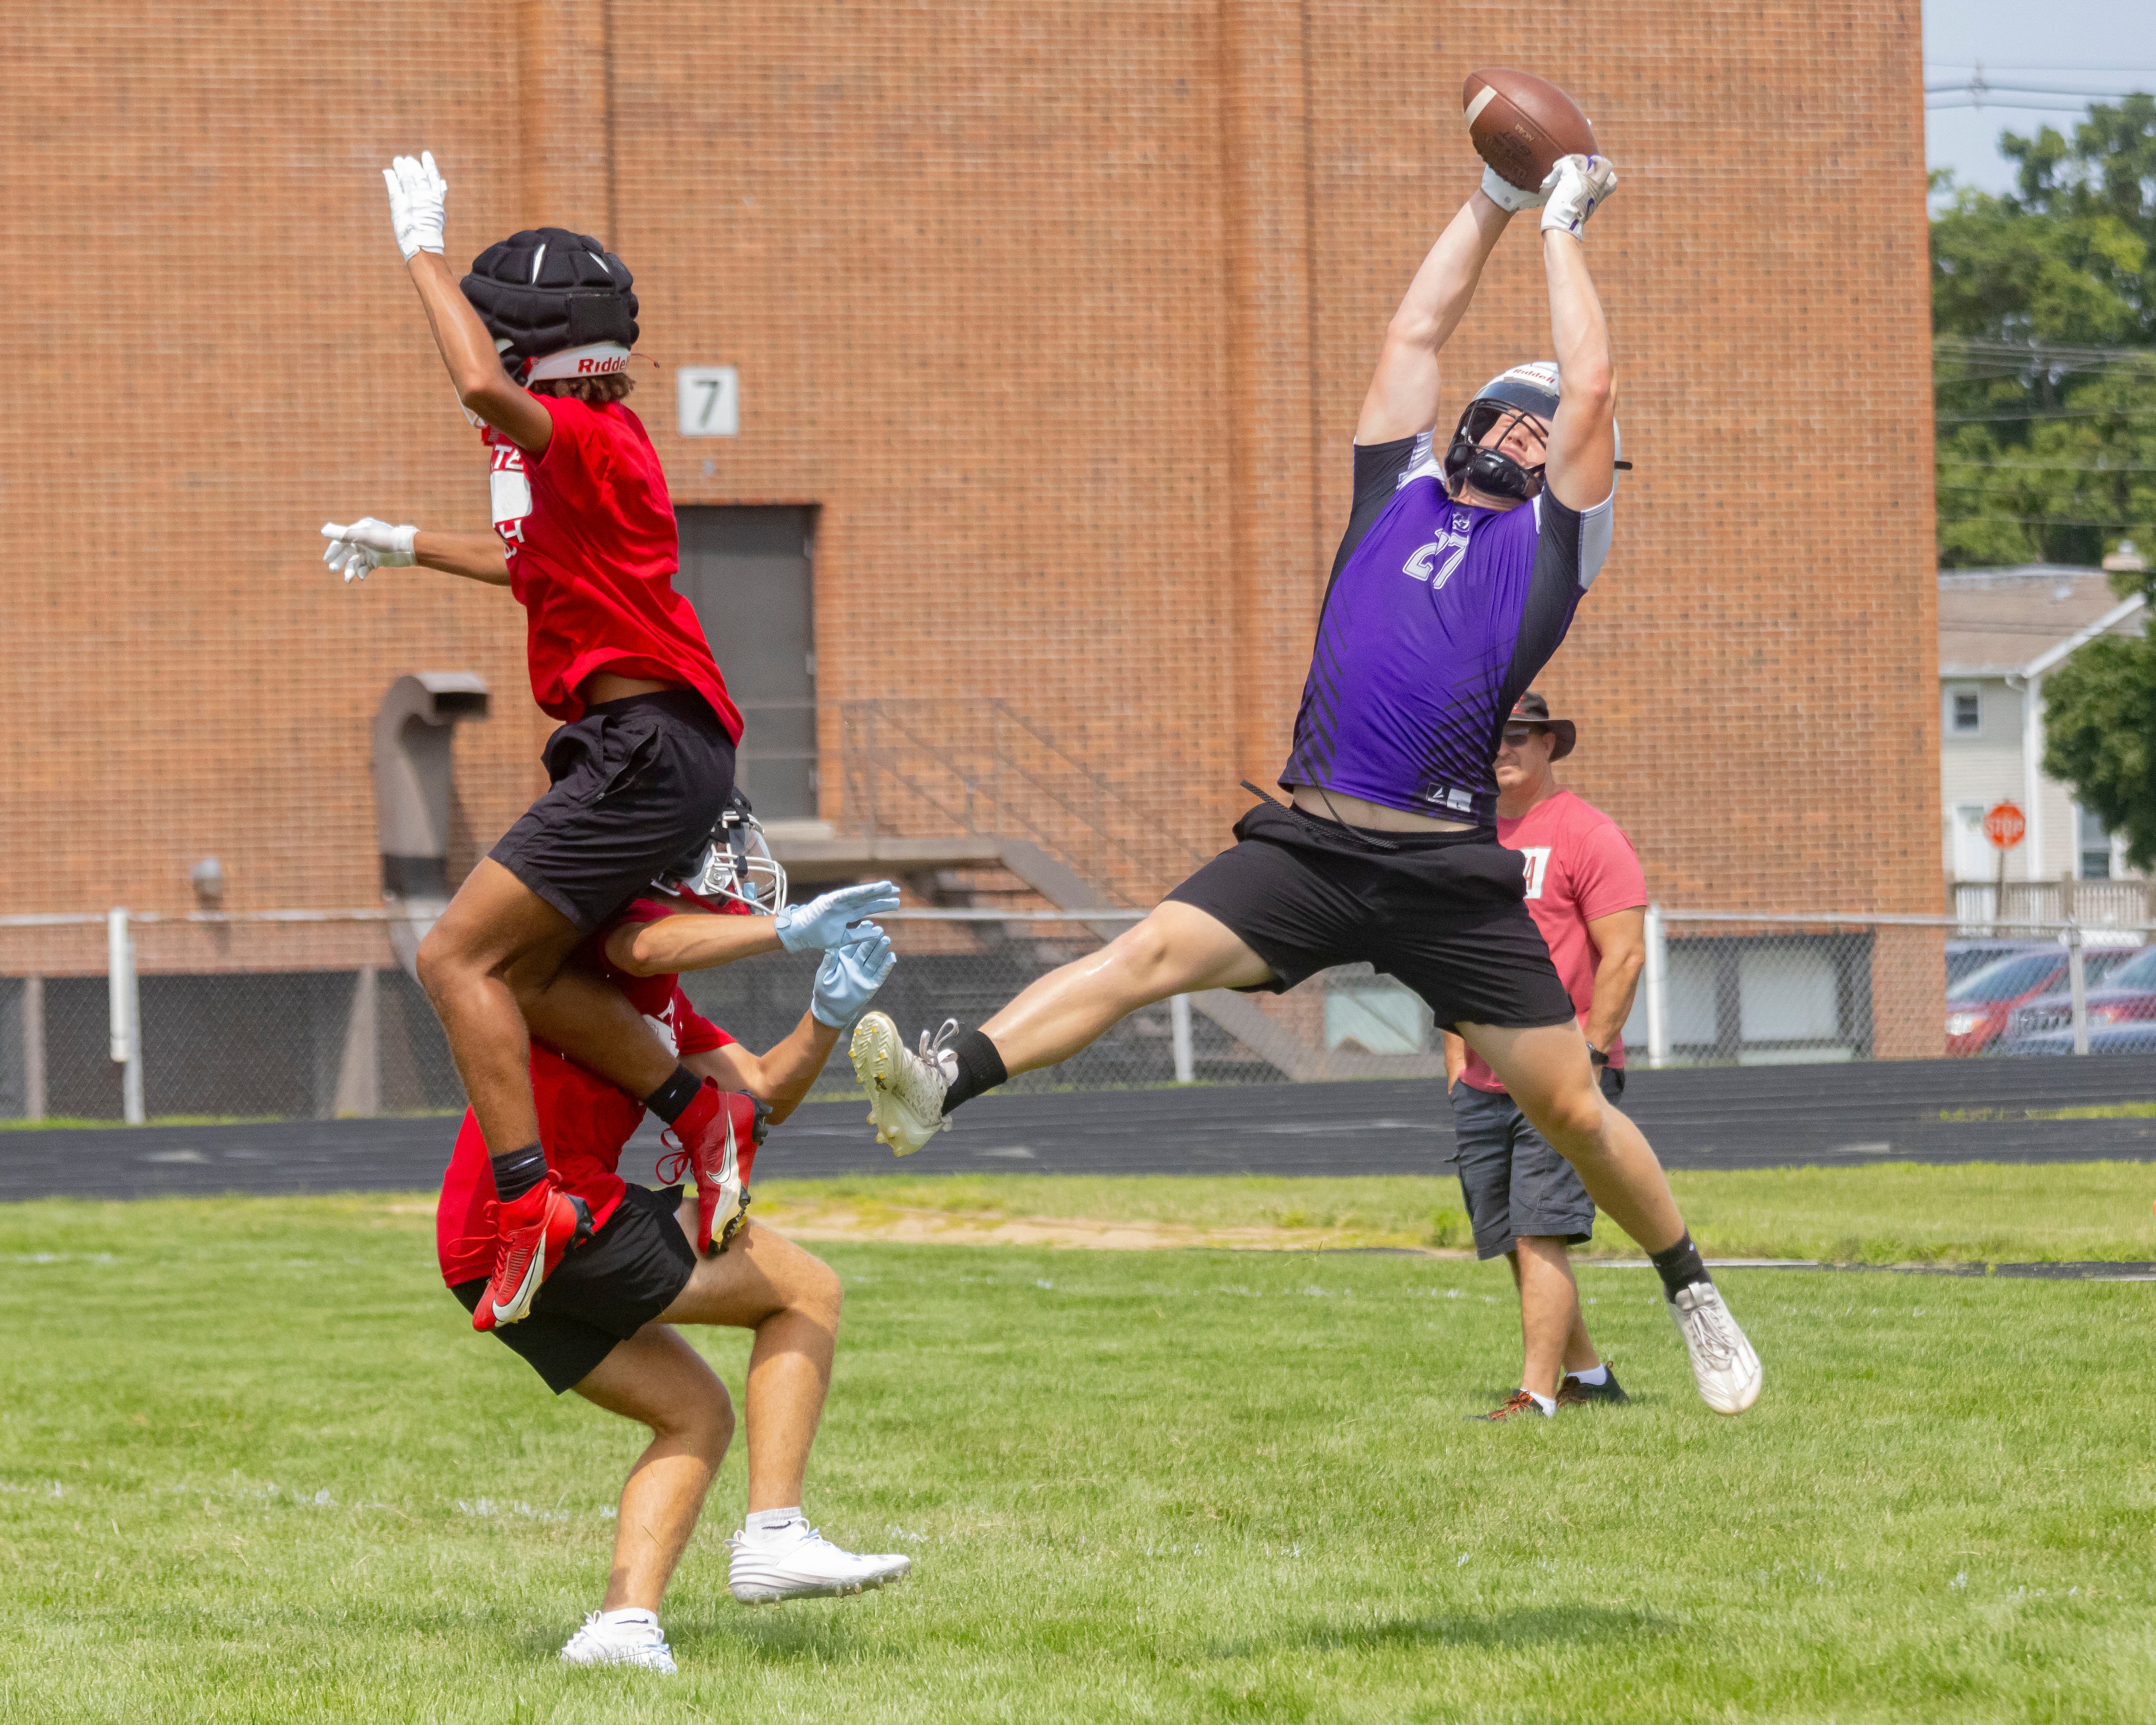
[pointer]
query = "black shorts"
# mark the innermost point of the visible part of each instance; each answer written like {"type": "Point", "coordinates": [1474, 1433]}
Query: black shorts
{"type": "Point", "coordinates": [1444, 912]}
{"type": "Point", "coordinates": [636, 782]}
{"type": "Point", "coordinates": [1514, 1183]}
{"type": "Point", "coordinates": [603, 1291]}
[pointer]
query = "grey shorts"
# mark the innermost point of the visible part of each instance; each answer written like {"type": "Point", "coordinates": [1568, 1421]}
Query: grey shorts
{"type": "Point", "coordinates": [1514, 1183]}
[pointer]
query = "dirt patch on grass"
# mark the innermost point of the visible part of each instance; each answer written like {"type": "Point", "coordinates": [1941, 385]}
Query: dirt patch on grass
{"type": "Point", "coordinates": [938, 1227]}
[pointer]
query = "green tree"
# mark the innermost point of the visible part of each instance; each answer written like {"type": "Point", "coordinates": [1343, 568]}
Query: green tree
{"type": "Point", "coordinates": [2044, 345]}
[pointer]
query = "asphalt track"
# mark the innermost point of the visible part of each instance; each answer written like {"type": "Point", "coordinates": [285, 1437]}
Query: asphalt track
{"type": "Point", "coordinates": [1925, 1112]}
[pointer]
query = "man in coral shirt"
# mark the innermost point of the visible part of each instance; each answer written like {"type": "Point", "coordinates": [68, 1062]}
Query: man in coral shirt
{"type": "Point", "coordinates": [1588, 896]}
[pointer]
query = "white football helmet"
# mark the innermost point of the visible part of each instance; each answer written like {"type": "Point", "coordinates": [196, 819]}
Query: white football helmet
{"type": "Point", "coordinates": [734, 866]}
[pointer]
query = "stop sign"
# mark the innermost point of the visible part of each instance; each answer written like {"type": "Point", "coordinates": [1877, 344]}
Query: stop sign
{"type": "Point", "coordinates": [2003, 825]}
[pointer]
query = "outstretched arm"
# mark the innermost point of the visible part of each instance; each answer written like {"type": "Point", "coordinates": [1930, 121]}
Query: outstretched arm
{"type": "Point", "coordinates": [846, 982]}
{"type": "Point", "coordinates": [357, 551]}
{"type": "Point", "coordinates": [418, 196]}
{"type": "Point", "coordinates": [694, 942]}
{"type": "Point", "coordinates": [1403, 397]}
{"type": "Point", "coordinates": [781, 1078]}
{"type": "Point", "coordinates": [1581, 463]}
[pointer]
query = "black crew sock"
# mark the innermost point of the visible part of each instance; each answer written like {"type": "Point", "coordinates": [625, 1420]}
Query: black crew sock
{"type": "Point", "coordinates": [1680, 1266]}
{"type": "Point", "coordinates": [980, 1068]}
{"type": "Point", "coordinates": [672, 1097]}
{"type": "Point", "coordinates": [517, 1172]}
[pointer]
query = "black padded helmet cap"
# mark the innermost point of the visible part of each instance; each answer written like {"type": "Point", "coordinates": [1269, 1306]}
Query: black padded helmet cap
{"type": "Point", "coordinates": [547, 289]}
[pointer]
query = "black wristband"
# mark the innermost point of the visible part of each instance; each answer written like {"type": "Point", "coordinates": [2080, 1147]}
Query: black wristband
{"type": "Point", "coordinates": [1597, 1058]}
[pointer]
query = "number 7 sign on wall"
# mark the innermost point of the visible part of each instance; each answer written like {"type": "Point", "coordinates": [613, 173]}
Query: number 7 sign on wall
{"type": "Point", "coordinates": [707, 400]}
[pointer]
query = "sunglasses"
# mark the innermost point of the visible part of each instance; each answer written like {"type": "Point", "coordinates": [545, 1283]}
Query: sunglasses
{"type": "Point", "coordinates": [1517, 735]}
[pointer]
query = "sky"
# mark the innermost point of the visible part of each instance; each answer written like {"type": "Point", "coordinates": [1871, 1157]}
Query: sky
{"type": "Point", "coordinates": [2105, 46]}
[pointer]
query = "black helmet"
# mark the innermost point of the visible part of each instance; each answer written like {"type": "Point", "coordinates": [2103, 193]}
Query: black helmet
{"type": "Point", "coordinates": [548, 293]}
{"type": "Point", "coordinates": [1525, 391]}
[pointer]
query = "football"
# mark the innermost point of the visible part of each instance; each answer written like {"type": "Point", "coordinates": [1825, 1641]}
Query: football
{"type": "Point", "coordinates": [1521, 124]}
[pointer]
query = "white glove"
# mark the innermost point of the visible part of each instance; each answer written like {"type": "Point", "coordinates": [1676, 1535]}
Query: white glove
{"type": "Point", "coordinates": [1503, 193]}
{"type": "Point", "coordinates": [417, 193]}
{"type": "Point", "coordinates": [1575, 188]}
{"type": "Point", "coordinates": [366, 546]}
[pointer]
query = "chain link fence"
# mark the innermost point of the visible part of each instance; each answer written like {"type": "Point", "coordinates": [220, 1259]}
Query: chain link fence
{"type": "Point", "coordinates": [309, 1015]}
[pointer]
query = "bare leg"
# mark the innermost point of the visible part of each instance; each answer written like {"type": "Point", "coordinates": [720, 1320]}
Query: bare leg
{"type": "Point", "coordinates": [1579, 1351]}
{"type": "Point", "coordinates": [791, 1300]}
{"type": "Point", "coordinates": [583, 1015]}
{"type": "Point", "coordinates": [1177, 949]}
{"type": "Point", "coordinates": [497, 955]}
{"type": "Point", "coordinates": [495, 921]}
{"type": "Point", "coordinates": [1547, 1073]}
{"type": "Point", "coordinates": [1549, 1312]}
{"type": "Point", "coordinates": [658, 1379]}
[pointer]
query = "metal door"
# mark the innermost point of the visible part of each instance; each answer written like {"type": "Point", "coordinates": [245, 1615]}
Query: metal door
{"type": "Point", "coordinates": [749, 571]}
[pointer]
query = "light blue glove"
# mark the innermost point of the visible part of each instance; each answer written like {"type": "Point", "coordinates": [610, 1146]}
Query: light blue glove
{"type": "Point", "coordinates": [848, 977]}
{"type": "Point", "coordinates": [828, 922]}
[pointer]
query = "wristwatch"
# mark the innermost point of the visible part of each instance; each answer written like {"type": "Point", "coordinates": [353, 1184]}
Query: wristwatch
{"type": "Point", "coordinates": [1597, 1058]}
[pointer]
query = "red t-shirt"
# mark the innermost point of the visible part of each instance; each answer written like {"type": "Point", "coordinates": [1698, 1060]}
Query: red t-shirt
{"type": "Point", "coordinates": [583, 1121]}
{"type": "Point", "coordinates": [1580, 868]}
{"type": "Point", "coordinates": [592, 550]}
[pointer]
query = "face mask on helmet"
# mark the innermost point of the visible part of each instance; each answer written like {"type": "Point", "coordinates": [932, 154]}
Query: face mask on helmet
{"type": "Point", "coordinates": [1472, 461]}
{"type": "Point", "coordinates": [1526, 391]}
{"type": "Point", "coordinates": [734, 866]}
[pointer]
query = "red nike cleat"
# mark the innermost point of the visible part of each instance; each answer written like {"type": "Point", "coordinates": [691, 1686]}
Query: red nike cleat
{"type": "Point", "coordinates": [534, 1232]}
{"type": "Point", "coordinates": [717, 1136]}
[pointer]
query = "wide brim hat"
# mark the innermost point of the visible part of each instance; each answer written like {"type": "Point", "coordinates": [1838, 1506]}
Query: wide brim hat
{"type": "Point", "coordinates": [1532, 709]}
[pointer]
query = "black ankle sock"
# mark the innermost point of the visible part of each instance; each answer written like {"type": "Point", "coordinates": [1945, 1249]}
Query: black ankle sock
{"type": "Point", "coordinates": [672, 1097]}
{"type": "Point", "coordinates": [980, 1068]}
{"type": "Point", "coordinates": [517, 1172]}
{"type": "Point", "coordinates": [1680, 1265]}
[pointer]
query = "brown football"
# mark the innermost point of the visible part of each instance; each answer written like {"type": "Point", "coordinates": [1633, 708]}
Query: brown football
{"type": "Point", "coordinates": [1521, 124]}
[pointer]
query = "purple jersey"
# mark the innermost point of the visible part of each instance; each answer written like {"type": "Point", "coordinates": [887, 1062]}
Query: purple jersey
{"type": "Point", "coordinates": [1438, 619]}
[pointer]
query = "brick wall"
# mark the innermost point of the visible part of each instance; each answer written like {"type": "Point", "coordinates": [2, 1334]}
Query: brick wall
{"type": "Point", "coordinates": [1061, 313]}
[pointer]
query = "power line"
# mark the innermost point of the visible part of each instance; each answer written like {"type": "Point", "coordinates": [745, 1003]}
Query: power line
{"type": "Point", "coordinates": [2037, 521]}
{"type": "Point", "coordinates": [1981, 86]}
{"type": "Point", "coordinates": [2097, 472]}
{"type": "Point", "coordinates": [2045, 415]}
{"type": "Point", "coordinates": [1984, 346]}
{"type": "Point", "coordinates": [2016, 71]}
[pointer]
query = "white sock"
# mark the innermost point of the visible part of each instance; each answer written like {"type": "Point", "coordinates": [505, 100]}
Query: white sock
{"type": "Point", "coordinates": [631, 1617]}
{"type": "Point", "coordinates": [1548, 1403]}
{"type": "Point", "coordinates": [1599, 1374]}
{"type": "Point", "coordinates": [765, 1523]}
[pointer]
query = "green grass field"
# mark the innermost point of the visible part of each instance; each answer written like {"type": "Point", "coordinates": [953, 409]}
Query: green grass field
{"type": "Point", "coordinates": [254, 1466]}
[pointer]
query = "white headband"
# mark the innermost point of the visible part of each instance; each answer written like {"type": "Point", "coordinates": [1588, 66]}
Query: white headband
{"type": "Point", "coordinates": [595, 359]}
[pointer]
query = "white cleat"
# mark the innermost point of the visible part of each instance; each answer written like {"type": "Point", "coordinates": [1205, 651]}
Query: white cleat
{"type": "Point", "coordinates": [906, 1089]}
{"type": "Point", "coordinates": [1723, 1363]}
{"type": "Point", "coordinates": [797, 1562]}
{"type": "Point", "coordinates": [620, 1638]}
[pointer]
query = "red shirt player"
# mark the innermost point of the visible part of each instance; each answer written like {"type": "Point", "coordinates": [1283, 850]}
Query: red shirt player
{"type": "Point", "coordinates": [1588, 896]}
{"type": "Point", "coordinates": [603, 1324]}
{"type": "Point", "coordinates": [537, 339]}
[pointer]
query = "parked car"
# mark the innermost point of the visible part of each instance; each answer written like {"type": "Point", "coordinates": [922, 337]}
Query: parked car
{"type": "Point", "coordinates": [2127, 998]}
{"type": "Point", "coordinates": [1964, 957]}
{"type": "Point", "coordinates": [1980, 1006]}
{"type": "Point", "coordinates": [2138, 1036]}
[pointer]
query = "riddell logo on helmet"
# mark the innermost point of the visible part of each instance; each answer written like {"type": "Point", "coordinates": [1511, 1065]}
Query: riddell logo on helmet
{"type": "Point", "coordinates": [596, 367]}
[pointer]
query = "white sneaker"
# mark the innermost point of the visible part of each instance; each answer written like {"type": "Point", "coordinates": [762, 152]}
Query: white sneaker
{"type": "Point", "coordinates": [1723, 1363]}
{"type": "Point", "coordinates": [797, 1562]}
{"type": "Point", "coordinates": [620, 1638]}
{"type": "Point", "coordinates": [906, 1089]}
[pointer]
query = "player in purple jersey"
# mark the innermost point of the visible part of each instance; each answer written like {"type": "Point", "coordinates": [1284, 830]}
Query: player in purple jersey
{"type": "Point", "coordinates": [1456, 582]}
